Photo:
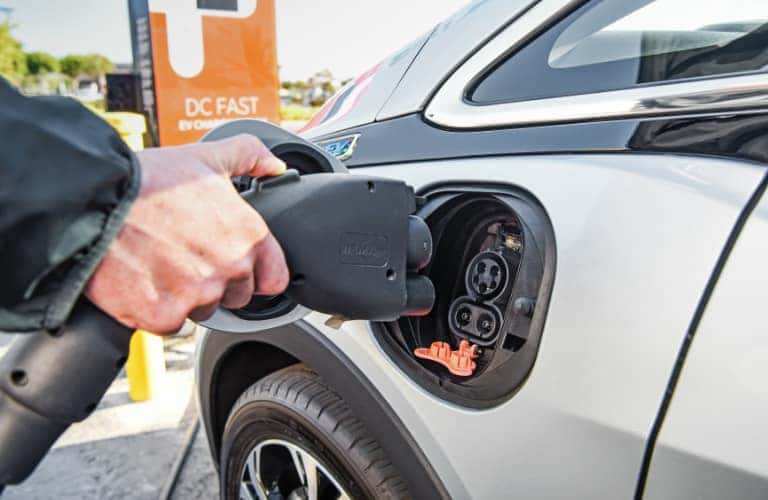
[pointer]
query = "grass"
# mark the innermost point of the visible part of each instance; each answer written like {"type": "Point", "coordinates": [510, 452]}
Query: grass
{"type": "Point", "coordinates": [297, 112]}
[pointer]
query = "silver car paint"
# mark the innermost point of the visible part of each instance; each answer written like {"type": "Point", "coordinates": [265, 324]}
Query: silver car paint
{"type": "Point", "coordinates": [226, 321]}
{"type": "Point", "coordinates": [452, 41]}
{"type": "Point", "coordinates": [407, 79]}
{"type": "Point", "coordinates": [637, 236]}
{"type": "Point", "coordinates": [386, 79]}
{"type": "Point", "coordinates": [713, 443]}
{"type": "Point", "coordinates": [449, 107]}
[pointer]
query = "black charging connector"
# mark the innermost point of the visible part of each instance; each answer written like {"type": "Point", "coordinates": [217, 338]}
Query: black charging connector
{"type": "Point", "coordinates": [352, 245]}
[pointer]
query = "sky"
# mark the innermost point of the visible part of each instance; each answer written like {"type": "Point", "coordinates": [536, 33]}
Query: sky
{"type": "Point", "coordinates": [343, 36]}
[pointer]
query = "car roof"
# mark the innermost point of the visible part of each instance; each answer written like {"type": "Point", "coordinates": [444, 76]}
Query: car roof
{"type": "Point", "coordinates": [403, 83]}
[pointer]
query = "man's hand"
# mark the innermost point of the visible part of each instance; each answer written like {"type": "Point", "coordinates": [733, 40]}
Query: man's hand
{"type": "Point", "coordinates": [190, 242]}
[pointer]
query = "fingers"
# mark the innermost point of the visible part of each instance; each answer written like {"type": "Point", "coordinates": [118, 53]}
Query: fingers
{"type": "Point", "coordinates": [201, 313]}
{"type": "Point", "coordinates": [271, 271]}
{"type": "Point", "coordinates": [269, 277]}
{"type": "Point", "coordinates": [238, 292]}
{"type": "Point", "coordinates": [240, 155]}
{"type": "Point", "coordinates": [187, 247]}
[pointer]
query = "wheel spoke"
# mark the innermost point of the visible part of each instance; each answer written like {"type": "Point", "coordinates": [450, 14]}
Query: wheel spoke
{"type": "Point", "coordinates": [245, 493]}
{"type": "Point", "coordinates": [306, 467]}
{"type": "Point", "coordinates": [308, 471]}
{"type": "Point", "coordinates": [254, 465]}
{"type": "Point", "coordinates": [298, 463]}
{"type": "Point", "coordinates": [260, 491]}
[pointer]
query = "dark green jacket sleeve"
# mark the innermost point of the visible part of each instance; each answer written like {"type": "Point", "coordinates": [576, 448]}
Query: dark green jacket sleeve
{"type": "Point", "coordinates": [66, 183]}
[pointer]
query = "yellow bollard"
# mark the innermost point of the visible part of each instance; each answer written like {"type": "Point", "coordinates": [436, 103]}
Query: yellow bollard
{"type": "Point", "coordinates": [146, 360]}
{"type": "Point", "coordinates": [145, 366]}
{"type": "Point", "coordinates": [130, 126]}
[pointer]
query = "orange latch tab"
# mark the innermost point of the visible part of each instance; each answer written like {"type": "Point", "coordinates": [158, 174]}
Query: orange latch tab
{"type": "Point", "coordinates": [459, 362]}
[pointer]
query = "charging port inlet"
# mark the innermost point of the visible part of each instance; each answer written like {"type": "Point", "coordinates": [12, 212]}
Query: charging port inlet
{"type": "Point", "coordinates": [493, 254]}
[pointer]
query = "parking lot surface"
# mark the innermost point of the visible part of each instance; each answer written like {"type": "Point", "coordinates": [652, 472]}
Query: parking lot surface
{"type": "Point", "coordinates": [126, 449]}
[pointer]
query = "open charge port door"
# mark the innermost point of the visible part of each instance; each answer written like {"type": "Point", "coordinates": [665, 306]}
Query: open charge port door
{"type": "Point", "coordinates": [493, 266]}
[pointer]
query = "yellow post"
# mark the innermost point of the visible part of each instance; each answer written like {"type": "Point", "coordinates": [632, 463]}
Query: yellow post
{"type": "Point", "coordinates": [130, 126]}
{"type": "Point", "coordinates": [146, 360]}
{"type": "Point", "coordinates": [145, 366]}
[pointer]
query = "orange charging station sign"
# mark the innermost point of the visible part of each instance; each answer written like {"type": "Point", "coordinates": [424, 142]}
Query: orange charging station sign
{"type": "Point", "coordinates": [204, 62]}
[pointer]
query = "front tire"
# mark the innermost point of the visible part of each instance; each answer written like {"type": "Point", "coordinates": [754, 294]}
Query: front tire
{"type": "Point", "coordinates": [291, 436]}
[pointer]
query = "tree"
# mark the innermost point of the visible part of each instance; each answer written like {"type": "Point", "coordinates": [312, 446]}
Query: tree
{"type": "Point", "coordinates": [71, 65]}
{"type": "Point", "coordinates": [13, 63]}
{"type": "Point", "coordinates": [297, 85]}
{"type": "Point", "coordinates": [40, 63]}
{"type": "Point", "coordinates": [328, 88]}
{"type": "Point", "coordinates": [96, 65]}
{"type": "Point", "coordinates": [93, 65]}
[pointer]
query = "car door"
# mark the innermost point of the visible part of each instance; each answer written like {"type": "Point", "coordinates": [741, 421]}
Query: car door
{"type": "Point", "coordinates": [712, 444]}
{"type": "Point", "coordinates": [642, 148]}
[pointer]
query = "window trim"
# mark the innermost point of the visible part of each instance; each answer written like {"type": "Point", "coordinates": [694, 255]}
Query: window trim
{"type": "Point", "coordinates": [449, 107]}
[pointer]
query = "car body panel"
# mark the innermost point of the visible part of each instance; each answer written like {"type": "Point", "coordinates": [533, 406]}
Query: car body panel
{"type": "Point", "coordinates": [451, 42]}
{"type": "Point", "coordinates": [360, 100]}
{"type": "Point", "coordinates": [228, 364]}
{"type": "Point", "coordinates": [405, 81]}
{"type": "Point", "coordinates": [637, 237]}
{"type": "Point", "coordinates": [450, 108]}
{"type": "Point", "coordinates": [712, 444]}
{"type": "Point", "coordinates": [411, 139]}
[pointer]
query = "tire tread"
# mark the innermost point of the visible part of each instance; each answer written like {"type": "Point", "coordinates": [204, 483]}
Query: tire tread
{"type": "Point", "coordinates": [305, 391]}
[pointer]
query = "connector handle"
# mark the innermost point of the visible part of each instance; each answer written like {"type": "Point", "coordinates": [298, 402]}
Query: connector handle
{"type": "Point", "coordinates": [49, 380]}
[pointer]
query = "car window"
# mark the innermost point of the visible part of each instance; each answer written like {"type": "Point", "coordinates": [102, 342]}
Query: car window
{"type": "Point", "coordinates": [617, 44]}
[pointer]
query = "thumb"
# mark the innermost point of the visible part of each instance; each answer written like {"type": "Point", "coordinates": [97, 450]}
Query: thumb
{"type": "Point", "coordinates": [241, 155]}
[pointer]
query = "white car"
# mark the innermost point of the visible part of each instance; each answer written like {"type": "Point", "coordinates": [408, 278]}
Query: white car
{"type": "Point", "coordinates": [594, 175]}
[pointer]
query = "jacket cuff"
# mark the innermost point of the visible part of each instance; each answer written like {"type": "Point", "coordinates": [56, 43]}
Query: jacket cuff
{"type": "Point", "coordinates": [60, 306]}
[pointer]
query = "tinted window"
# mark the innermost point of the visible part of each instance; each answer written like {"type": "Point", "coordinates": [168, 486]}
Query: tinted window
{"type": "Point", "coordinates": [618, 44]}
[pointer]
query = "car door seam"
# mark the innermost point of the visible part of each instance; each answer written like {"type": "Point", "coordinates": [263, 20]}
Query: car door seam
{"type": "Point", "coordinates": [685, 346]}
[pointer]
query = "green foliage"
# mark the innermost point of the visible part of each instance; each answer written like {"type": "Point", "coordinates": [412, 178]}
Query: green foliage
{"type": "Point", "coordinates": [32, 70]}
{"type": "Point", "coordinates": [297, 85]}
{"type": "Point", "coordinates": [295, 112]}
{"type": "Point", "coordinates": [71, 65]}
{"type": "Point", "coordinates": [97, 65]}
{"type": "Point", "coordinates": [13, 63]}
{"type": "Point", "coordinates": [93, 65]}
{"type": "Point", "coordinates": [329, 88]}
{"type": "Point", "coordinates": [40, 63]}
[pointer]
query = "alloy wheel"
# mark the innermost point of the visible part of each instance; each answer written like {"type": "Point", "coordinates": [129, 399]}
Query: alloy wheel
{"type": "Point", "coordinates": [277, 469]}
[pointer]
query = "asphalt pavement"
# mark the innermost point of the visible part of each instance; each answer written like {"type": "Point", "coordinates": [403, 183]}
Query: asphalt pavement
{"type": "Point", "coordinates": [126, 449]}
